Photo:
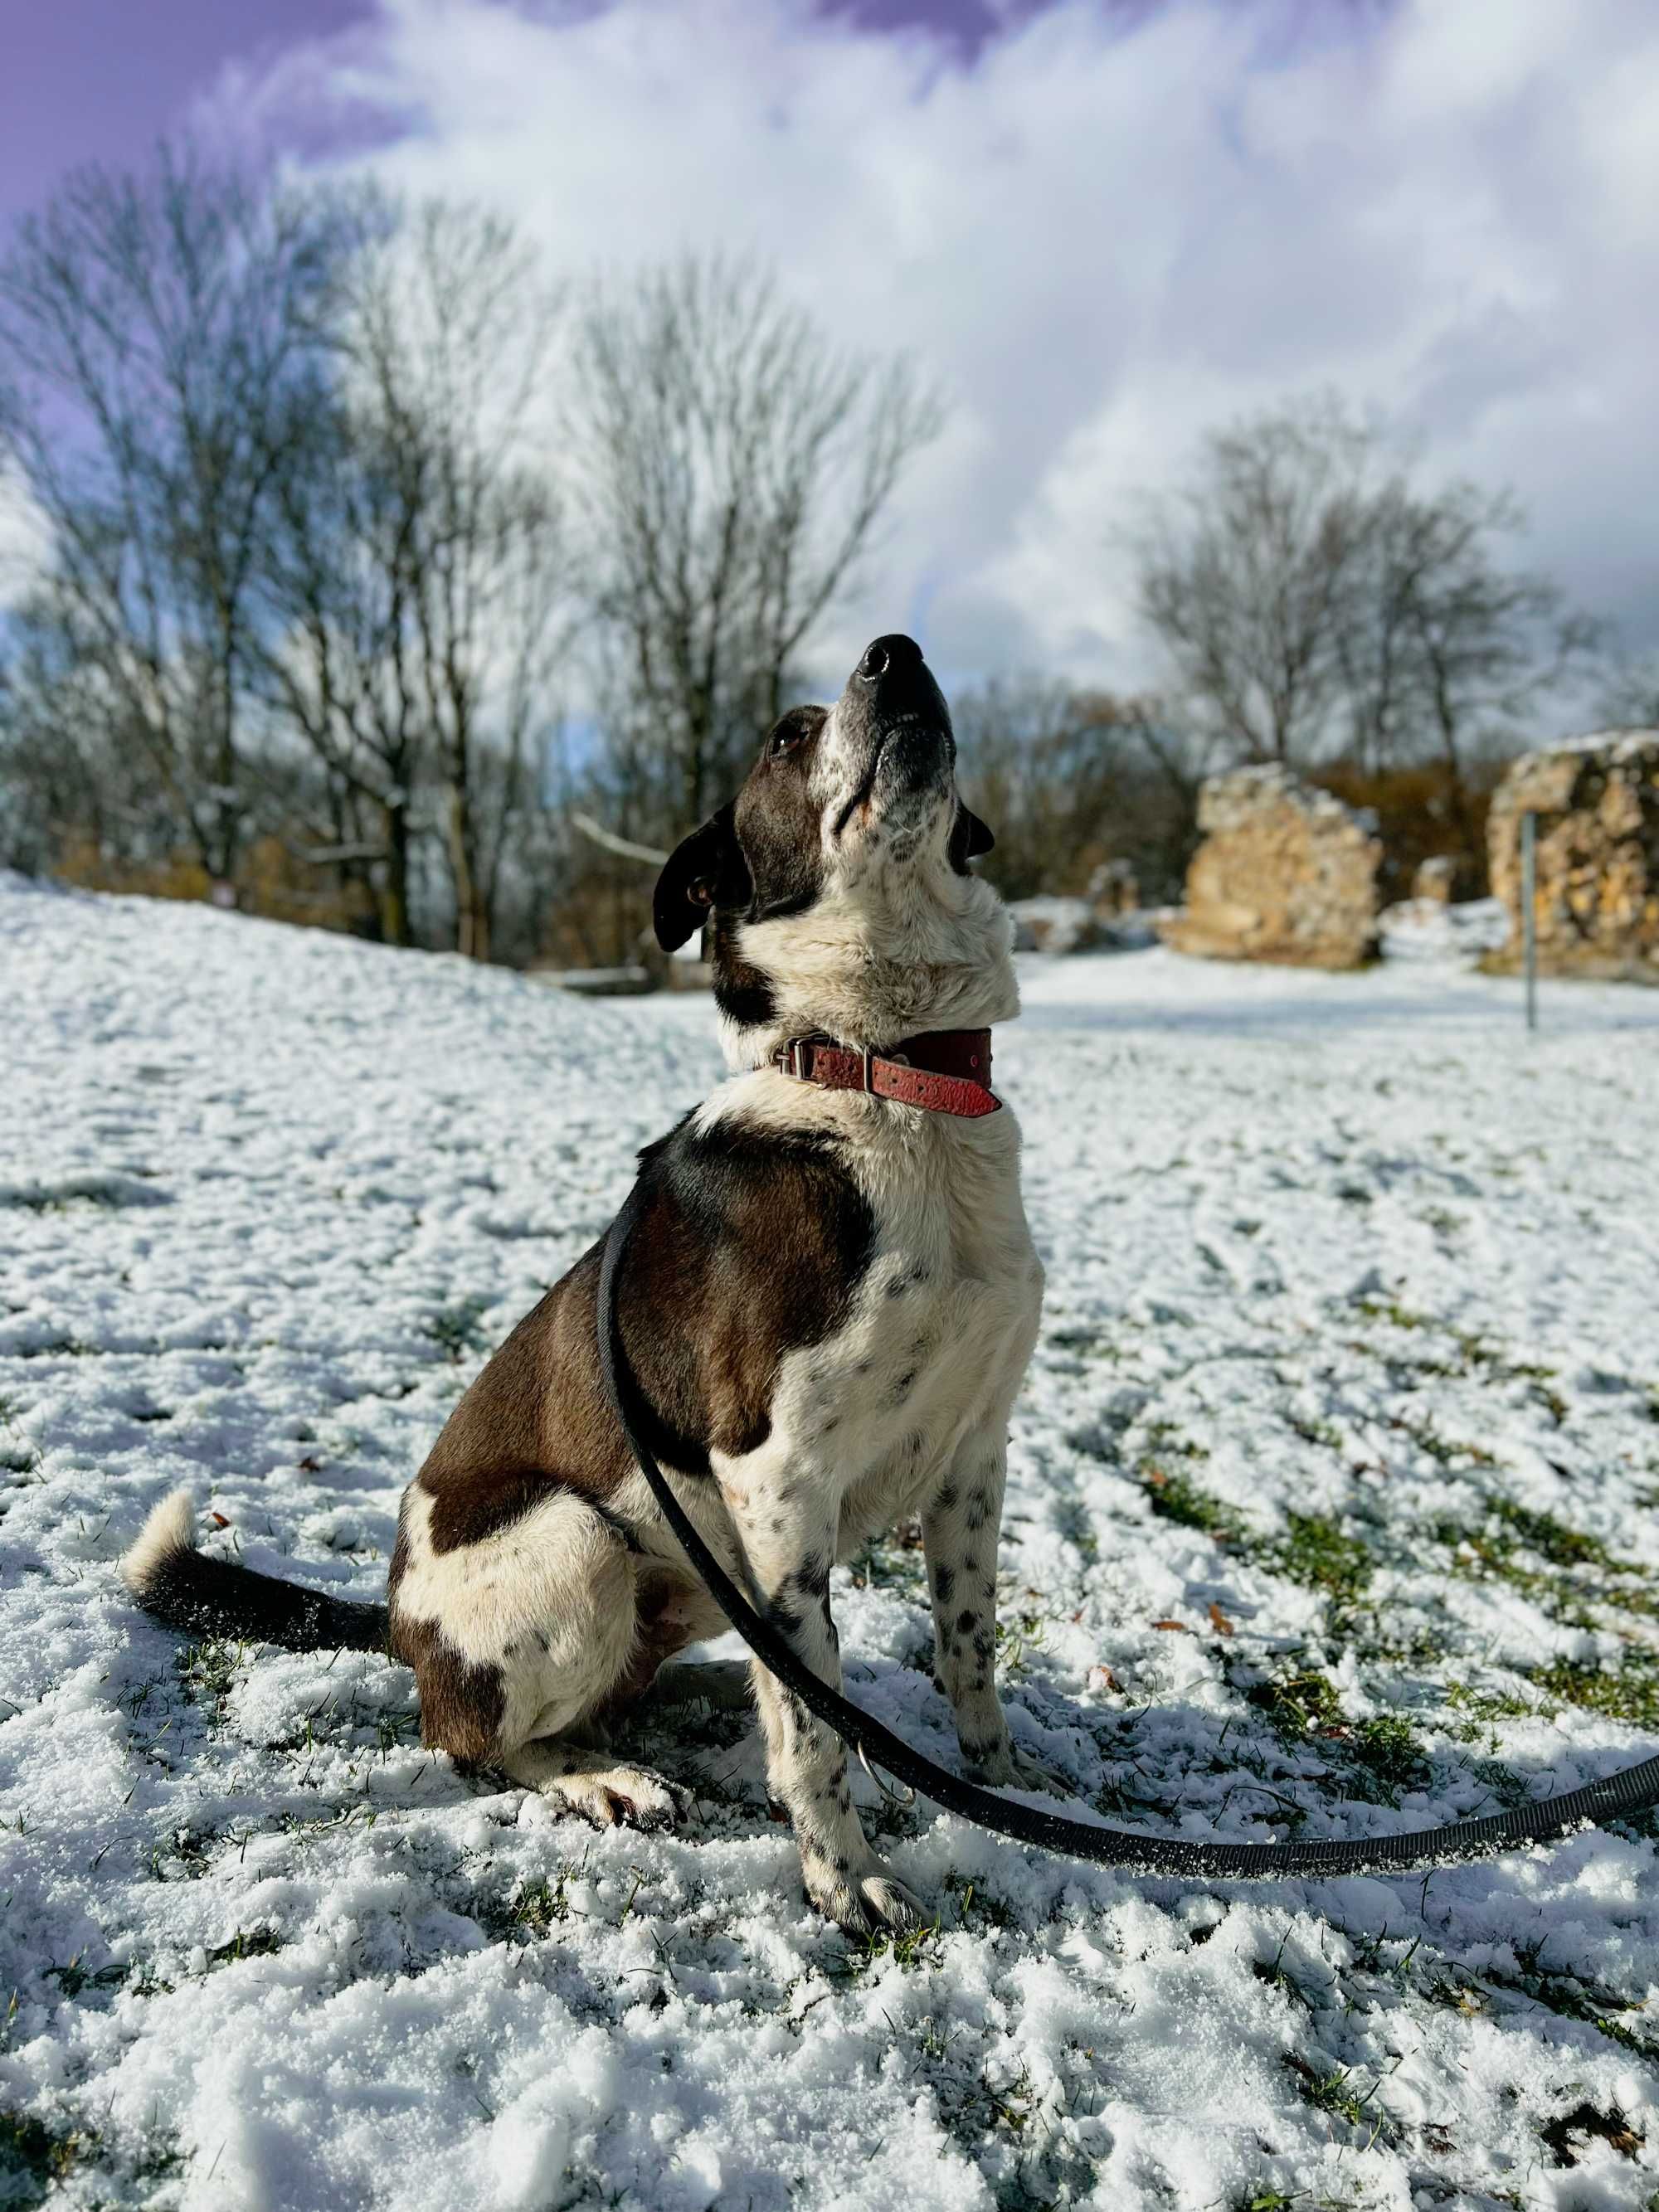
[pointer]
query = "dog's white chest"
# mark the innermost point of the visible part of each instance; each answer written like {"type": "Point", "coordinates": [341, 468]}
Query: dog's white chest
{"type": "Point", "coordinates": [940, 1328]}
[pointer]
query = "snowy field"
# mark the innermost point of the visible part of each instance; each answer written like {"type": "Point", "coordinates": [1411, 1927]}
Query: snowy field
{"type": "Point", "coordinates": [1331, 1509]}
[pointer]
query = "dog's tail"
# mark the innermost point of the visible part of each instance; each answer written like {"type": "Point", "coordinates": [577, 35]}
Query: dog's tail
{"type": "Point", "coordinates": [217, 1597]}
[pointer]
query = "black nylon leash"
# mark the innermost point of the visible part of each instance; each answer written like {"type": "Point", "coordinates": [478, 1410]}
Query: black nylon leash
{"type": "Point", "coordinates": [1633, 1790]}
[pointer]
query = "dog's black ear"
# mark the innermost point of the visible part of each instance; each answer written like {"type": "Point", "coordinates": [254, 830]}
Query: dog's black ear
{"type": "Point", "coordinates": [705, 871]}
{"type": "Point", "coordinates": [968, 838]}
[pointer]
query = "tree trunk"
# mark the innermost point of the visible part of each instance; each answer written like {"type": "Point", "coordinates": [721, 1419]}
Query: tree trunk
{"type": "Point", "coordinates": [394, 888]}
{"type": "Point", "coordinates": [471, 921]}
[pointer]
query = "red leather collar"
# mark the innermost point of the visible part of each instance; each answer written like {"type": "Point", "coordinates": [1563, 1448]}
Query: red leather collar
{"type": "Point", "coordinates": [945, 1070]}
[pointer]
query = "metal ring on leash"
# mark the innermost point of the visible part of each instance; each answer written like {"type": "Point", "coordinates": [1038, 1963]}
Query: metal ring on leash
{"type": "Point", "coordinates": [892, 1796]}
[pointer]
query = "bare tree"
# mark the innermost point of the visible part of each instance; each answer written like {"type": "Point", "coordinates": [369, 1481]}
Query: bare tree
{"type": "Point", "coordinates": [1245, 575]}
{"type": "Point", "coordinates": [414, 578]}
{"type": "Point", "coordinates": [731, 466]}
{"type": "Point", "coordinates": [69, 770]}
{"type": "Point", "coordinates": [1313, 599]}
{"type": "Point", "coordinates": [152, 332]}
{"type": "Point", "coordinates": [1066, 781]}
{"type": "Point", "coordinates": [1481, 644]}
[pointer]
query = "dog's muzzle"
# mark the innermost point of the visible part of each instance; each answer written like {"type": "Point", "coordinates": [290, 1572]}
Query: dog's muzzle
{"type": "Point", "coordinates": [892, 704]}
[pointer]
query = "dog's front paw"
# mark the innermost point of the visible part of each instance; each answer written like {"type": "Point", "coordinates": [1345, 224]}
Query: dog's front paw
{"type": "Point", "coordinates": [865, 1901]}
{"type": "Point", "coordinates": [1008, 1766]}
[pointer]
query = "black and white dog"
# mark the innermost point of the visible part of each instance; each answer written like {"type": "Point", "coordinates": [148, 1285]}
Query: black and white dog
{"type": "Point", "coordinates": [827, 1309]}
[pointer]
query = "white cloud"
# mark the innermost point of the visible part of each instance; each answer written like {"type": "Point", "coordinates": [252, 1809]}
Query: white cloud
{"type": "Point", "coordinates": [1110, 231]}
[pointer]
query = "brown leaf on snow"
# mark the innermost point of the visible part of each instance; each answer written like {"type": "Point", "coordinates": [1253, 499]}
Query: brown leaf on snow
{"type": "Point", "coordinates": [1181, 1624]}
{"type": "Point", "coordinates": [1101, 1678]}
{"type": "Point", "coordinates": [219, 1520]}
{"type": "Point", "coordinates": [1219, 1620]}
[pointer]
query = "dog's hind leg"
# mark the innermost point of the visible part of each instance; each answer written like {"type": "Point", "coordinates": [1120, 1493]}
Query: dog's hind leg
{"type": "Point", "coordinates": [594, 1783]}
{"type": "Point", "coordinates": [525, 1637]}
{"type": "Point", "coordinates": [567, 1757]}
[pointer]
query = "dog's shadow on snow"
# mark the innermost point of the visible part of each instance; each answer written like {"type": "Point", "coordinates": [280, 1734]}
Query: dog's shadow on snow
{"type": "Point", "coordinates": [698, 1720]}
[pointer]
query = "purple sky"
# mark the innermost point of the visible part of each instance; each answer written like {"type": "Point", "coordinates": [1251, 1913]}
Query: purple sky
{"type": "Point", "coordinates": [101, 80]}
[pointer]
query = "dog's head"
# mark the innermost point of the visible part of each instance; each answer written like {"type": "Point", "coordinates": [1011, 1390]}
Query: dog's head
{"type": "Point", "coordinates": [836, 883]}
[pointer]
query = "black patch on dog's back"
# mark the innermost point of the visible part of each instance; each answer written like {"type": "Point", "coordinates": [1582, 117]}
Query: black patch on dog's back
{"type": "Point", "coordinates": [751, 1243]}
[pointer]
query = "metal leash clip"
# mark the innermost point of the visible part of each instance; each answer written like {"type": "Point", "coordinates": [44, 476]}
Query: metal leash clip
{"type": "Point", "coordinates": [892, 1796]}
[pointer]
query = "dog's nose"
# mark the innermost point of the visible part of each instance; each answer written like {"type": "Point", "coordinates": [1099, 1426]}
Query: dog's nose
{"type": "Point", "coordinates": [889, 655]}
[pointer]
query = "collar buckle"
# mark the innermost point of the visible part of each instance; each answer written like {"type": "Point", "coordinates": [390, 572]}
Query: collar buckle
{"type": "Point", "coordinates": [789, 1058]}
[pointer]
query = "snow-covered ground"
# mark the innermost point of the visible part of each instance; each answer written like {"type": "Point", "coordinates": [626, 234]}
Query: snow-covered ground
{"type": "Point", "coordinates": [1332, 1509]}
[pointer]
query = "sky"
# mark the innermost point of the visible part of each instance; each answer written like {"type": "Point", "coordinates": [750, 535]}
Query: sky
{"type": "Point", "coordinates": [1102, 225]}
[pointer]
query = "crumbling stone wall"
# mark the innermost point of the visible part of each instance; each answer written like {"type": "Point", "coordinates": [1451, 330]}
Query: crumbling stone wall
{"type": "Point", "coordinates": [1596, 904]}
{"type": "Point", "coordinates": [1285, 872]}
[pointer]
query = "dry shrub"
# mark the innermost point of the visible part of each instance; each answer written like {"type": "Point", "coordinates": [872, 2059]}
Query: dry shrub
{"type": "Point", "coordinates": [270, 883]}
{"type": "Point", "coordinates": [1423, 813]}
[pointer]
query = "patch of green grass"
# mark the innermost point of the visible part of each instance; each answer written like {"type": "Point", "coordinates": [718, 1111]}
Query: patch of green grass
{"type": "Point", "coordinates": [1388, 1757]}
{"type": "Point", "coordinates": [1313, 1431]}
{"type": "Point", "coordinates": [1297, 1704]}
{"type": "Point", "coordinates": [908, 1948]}
{"type": "Point", "coordinates": [1165, 1441]}
{"type": "Point", "coordinates": [1571, 1997]}
{"type": "Point", "coordinates": [1485, 1705]}
{"type": "Point", "coordinates": [209, 1670]}
{"type": "Point", "coordinates": [1391, 1310]}
{"type": "Point", "coordinates": [1072, 1521]}
{"type": "Point", "coordinates": [458, 1328]}
{"type": "Point", "coordinates": [534, 1910]}
{"type": "Point", "coordinates": [980, 1908]}
{"type": "Point", "coordinates": [1090, 1343]}
{"type": "Point", "coordinates": [1627, 1692]}
{"type": "Point", "coordinates": [1445, 1451]}
{"type": "Point", "coordinates": [160, 2157]}
{"type": "Point", "coordinates": [77, 1976]}
{"type": "Point", "coordinates": [1442, 1220]}
{"type": "Point", "coordinates": [1318, 1555]}
{"type": "Point", "coordinates": [892, 1560]}
{"type": "Point", "coordinates": [1335, 2093]}
{"type": "Point", "coordinates": [1294, 2200]}
{"type": "Point", "coordinates": [1553, 1541]}
{"type": "Point", "coordinates": [33, 2159]}
{"type": "Point", "coordinates": [1481, 1554]}
{"type": "Point", "coordinates": [1017, 1640]}
{"type": "Point", "coordinates": [1173, 1496]}
{"type": "Point", "coordinates": [1275, 1973]}
{"type": "Point", "coordinates": [1387, 1747]}
{"type": "Point", "coordinates": [1500, 1547]}
{"type": "Point", "coordinates": [246, 1943]}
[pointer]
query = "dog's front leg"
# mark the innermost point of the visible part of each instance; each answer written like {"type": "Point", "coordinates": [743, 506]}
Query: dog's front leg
{"type": "Point", "coordinates": [789, 1536]}
{"type": "Point", "coordinates": [961, 1527]}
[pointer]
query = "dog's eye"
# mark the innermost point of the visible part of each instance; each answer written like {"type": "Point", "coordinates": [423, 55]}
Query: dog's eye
{"type": "Point", "coordinates": [786, 739]}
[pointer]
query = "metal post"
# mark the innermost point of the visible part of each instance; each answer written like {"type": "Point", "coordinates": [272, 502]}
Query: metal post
{"type": "Point", "coordinates": [1528, 918]}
